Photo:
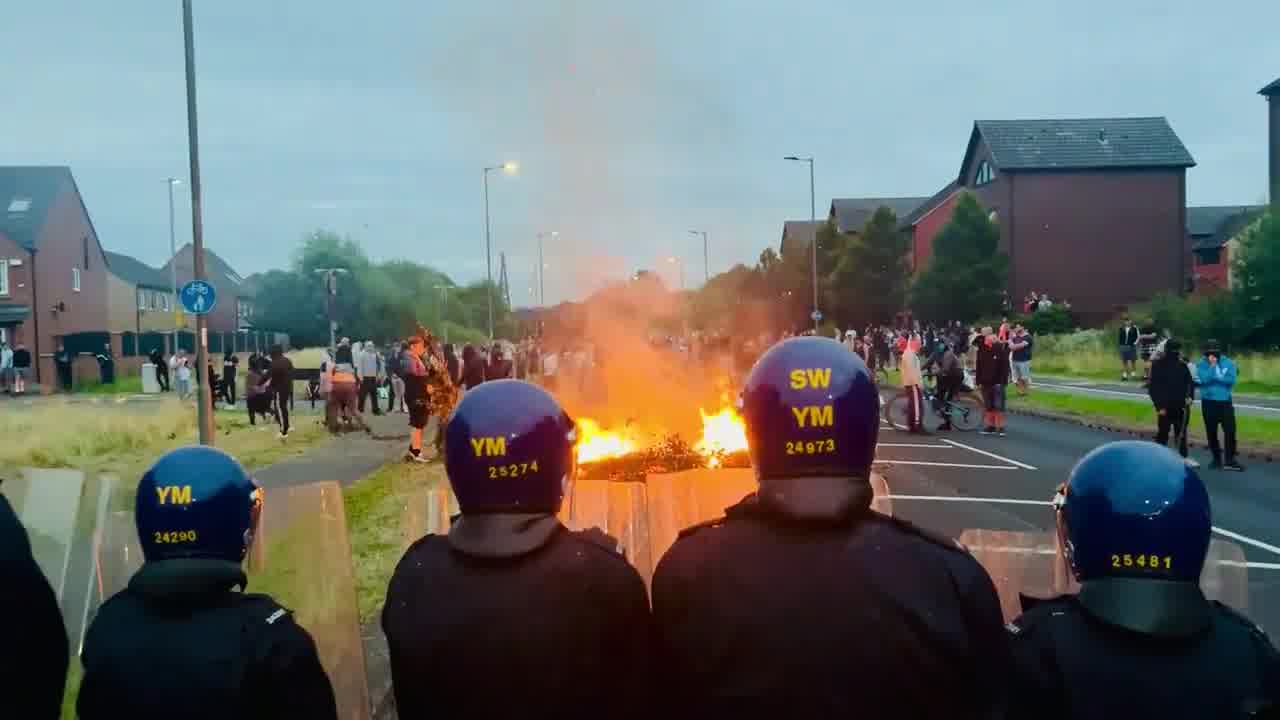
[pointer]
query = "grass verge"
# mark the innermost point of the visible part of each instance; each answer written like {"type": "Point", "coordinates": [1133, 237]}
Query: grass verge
{"type": "Point", "coordinates": [386, 511]}
{"type": "Point", "coordinates": [1252, 432]}
{"type": "Point", "coordinates": [1259, 374]}
{"type": "Point", "coordinates": [124, 384]}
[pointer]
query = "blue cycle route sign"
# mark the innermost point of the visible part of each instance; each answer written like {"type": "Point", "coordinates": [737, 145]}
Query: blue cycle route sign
{"type": "Point", "coordinates": [198, 297]}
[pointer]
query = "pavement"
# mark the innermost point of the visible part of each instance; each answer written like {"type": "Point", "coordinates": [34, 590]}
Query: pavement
{"type": "Point", "coordinates": [345, 460]}
{"type": "Point", "coordinates": [1259, 405]}
{"type": "Point", "coordinates": [952, 482]}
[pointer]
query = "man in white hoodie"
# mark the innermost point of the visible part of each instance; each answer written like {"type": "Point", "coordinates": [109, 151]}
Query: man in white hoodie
{"type": "Point", "coordinates": [909, 364]}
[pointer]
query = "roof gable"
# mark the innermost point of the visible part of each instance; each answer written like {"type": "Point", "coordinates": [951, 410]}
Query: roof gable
{"type": "Point", "coordinates": [136, 272]}
{"type": "Point", "coordinates": [216, 270]}
{"type": "Point", "coordinates": [1212, 226]}
{"type": "Point", "coordinates": [931, 204]}
{"type": "Point", "coordinates": [1083, 143]}
{"type": "Point", "coordinates": [798, 233]}
{"type": "Point", "coordinates": [852, 214]}
{"type": "Point", "coordinates": [26, 196]}
{"type": "Point", "coordinates": [1271, 90]}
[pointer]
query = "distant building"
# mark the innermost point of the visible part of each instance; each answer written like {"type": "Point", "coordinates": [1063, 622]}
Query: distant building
{"type": "Point", "coordinates": [798, 235]}
{"type": "Point", "coordinates": [1211, 235]}
{"type": "Point", "coordinates": [928, 218]}
{"type": "Point", "coordinates": [233, 311]}
{"type": "Point", "coordinates": [850, 215]}
{"type": "Point", "coordinates": [140, 297]}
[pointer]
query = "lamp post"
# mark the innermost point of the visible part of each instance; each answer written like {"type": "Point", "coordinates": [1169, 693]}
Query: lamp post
{"type": "Point", "coordinates": [330, 292]}
{"type": "Point", "coordinates": [204, 395]}
{"type": "Point", "coordinates": [509, 168]}
{"type": "Point", "coordinates": [706, 266]}
{"type": "Point", "coordinates": [813, 217]}
{"type": "Point", "coordinates": [542, 290]}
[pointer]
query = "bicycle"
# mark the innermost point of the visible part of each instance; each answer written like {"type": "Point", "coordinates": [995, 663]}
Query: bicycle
{"type": "Point", "coordinates": [964, 411]}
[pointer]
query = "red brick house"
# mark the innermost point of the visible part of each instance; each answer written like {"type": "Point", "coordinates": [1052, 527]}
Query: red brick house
{"type": "Point", "coordinates": [1210, 231]}
{"type": "Point", "coordinates": [924, 223]}
{"type": "Point", "coordinates": [53, 273]}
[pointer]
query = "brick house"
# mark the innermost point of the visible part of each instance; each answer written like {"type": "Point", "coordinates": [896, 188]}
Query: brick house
{"type": "Point", "coordinates": [927, 220]}
{"type": "Point", "coordinates": [798, 235]}
{"type": "Point", "coordinates": [234, 309]}
{"type": "Point", "coordinates": [140, 297]}
{"type": "Point", "coordinates": [1211, 232]}
{"type": "Point", "coordinates": [53, 272]}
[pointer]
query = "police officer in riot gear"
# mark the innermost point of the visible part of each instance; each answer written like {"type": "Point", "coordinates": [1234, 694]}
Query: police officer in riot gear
{"type": "Point", "coordinates": [183, 640]}
{"type": "Point", "coordinates": [511, 614]}
{"type": "Point", "coordinates": [33, 667]}
{"type": "Point", "coordinates": [804, 602]}
{"type": "Point", "coordinates": [1139, 639]}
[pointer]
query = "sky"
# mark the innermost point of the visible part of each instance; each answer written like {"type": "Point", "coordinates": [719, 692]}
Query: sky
{"type": "Point", "coordinates": [633, 123]}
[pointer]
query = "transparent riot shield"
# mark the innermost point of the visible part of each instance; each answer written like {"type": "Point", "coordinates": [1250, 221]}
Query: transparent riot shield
{"type": "Point", "coordinates": [1032, 564]}
{"type": "Point", "coordinates": [302, 558]}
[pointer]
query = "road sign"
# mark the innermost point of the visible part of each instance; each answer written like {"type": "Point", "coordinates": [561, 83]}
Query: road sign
{"type": "Point", "coordinates": [816, 315]}
{"type": "Point", "coordinates": [198, 297]}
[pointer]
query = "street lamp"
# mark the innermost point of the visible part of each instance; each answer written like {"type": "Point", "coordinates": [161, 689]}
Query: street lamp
{"type": "Point", "coordinates": [331, 291]}
{"type": "Point", "coordinates": [542, 296]}
{"type": "Point", "coordinates": [706, 267]}
{"type": "Point", "coordinates": [173, 260]}
{"type": "Point", "coordinates": [444, 306]}
{"type": "Point", "coordinates": [813, 218]}
{"type": "Point", "coordinates": [509, 168]}
{"type": "Point", "coordinates": [679, 262]}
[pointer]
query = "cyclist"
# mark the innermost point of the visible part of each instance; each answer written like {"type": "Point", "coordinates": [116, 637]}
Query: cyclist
{"type": "Point", "coordinates": [949, 378]}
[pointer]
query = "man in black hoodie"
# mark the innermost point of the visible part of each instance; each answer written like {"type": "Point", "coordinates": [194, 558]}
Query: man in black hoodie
{"type": "Point", "coordinates": [1171, 390]}
{"type": "Point", "coordinates": [34, 668]}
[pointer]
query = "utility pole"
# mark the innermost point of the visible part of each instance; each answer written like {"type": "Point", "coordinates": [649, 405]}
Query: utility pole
{"type": "Point", "coordinates": [173, 265]}
{"type": "Point", "coordinates": [204, 394]}
{"type": "Point", "coordinates": [504, 286]}
{"type": "Point", "coordinates": [331, 293]}
{"type": "Point", "coordinates": [813, 218]}
{"type": "Point", "coordinates": [706, 265]}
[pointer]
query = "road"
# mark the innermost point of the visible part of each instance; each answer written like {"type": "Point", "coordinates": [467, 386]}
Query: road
{"type": "Point", "coordinates": [1260, 405]}
{"type": "Point", "coordinates": [958, 481]}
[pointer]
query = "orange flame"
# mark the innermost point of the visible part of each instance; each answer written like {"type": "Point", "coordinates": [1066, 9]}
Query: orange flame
{"type": "Point", "coordinates": [723, 432]}
{"type": "Point", "coordinates": [595, 443]}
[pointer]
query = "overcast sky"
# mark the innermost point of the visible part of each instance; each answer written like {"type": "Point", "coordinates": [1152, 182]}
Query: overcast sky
{"type": "Point", "coordinates": [633, 122]}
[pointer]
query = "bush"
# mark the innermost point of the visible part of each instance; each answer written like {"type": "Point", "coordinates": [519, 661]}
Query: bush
{"type": "Point", "coordinates": [1050, 321]}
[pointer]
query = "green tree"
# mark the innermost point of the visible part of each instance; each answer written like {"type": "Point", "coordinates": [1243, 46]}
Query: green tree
{"type": "Point", "coordinates": [1256, 285]}
{"type": "Point", "coordinates": [967, 273]}
{"type": "Point", "coordinates": [868, 283]}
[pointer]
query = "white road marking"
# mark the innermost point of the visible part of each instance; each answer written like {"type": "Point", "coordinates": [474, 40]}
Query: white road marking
{"type": "Point", "coordinates": [914, 445]}
{"type": "Point", "coordinates": [1140, 396]}
{"type": "Point", "coordinates": [1001, 458]}
{"type": "Point", "coordinates": [945, 464]}
{"type": "Point", "coordinates": [1247, 540]}
{"type": "Point", "coordinates": [967, 498]}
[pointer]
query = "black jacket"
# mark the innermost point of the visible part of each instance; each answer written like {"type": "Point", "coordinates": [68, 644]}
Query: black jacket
{"type": "Point", "coordinates": [561, 630]}
{"type": "Point", "coordinates": [33, 666]}
{"type": "Point", "coordinates": [1171, 383]}
{"type": "Point", "coordinates": [1071, 665]}
{"type": "Point", "coordinates": [1128, 336]}
{"type": "Point", "coordinates": [179, 643]}
{"type": "Point", "coordinates": [763, 615]}
{"type": "Point", "coordinates": [992, 367]}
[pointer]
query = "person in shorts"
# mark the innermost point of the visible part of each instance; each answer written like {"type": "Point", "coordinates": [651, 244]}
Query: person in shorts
{"type": "Point", "coordinates": [414, 372]}
{"type": "Point", "coordinates": [1020, 343]}
{"type": "Point", "coordinates": [1128, 343]}
{"type": "Point", "coordinates": [992, 375]}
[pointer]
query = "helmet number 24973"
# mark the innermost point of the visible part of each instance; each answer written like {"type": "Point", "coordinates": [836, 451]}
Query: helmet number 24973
{"type": "Point", "coordinates": [811, 447]}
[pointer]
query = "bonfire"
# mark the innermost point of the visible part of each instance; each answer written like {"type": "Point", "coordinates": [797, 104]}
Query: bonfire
{"type": "Point", "coordinates": [625, 454]}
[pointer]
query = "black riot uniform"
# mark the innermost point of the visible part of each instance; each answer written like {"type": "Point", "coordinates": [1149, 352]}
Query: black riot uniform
{"type": "Point", "coordinates": [182, 640]}
{"type": "Point", "coordinates": [33, 664]}
{"type": "Point", "coordinates": [802, 601]}
{"type": "Point", "coordinates": [1140, 639]}
{"type": "Point", "coordinates": [511, 614]}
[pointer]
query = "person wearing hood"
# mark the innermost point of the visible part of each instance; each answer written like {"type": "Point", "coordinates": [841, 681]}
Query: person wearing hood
{"type": "Point", "coordinates": [803, 601]}
{"type": "Point", "coordinates": [1140, 639]}
{"type": "Point", "coordinates": [1171, 389]}
{"type": "Point", "coordinates": [1216, 375]}
{"type": "Point", "coordinates": [558, 619]}
{"type": "Point", "coordinates": [35, 637]}
{"type": "Point", "coordinates": [183, 639]}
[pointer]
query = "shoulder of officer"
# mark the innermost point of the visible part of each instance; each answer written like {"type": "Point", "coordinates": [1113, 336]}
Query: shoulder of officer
{"type": "Point", "coordinates": [597, 538]}
{"type": "Point", "coordinates": [265, 610]}
{"type": "Point", "coordinates": [1238, 618]}
{"type": "Point", "coordinates": [1037, 611]}
{"type": "Point", "coordinates": [934, 538]}
{"type": "Point", "coordinates": [697, 527]}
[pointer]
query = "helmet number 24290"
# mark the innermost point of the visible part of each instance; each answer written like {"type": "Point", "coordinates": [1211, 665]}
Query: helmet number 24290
{"type": "Point", "coordinates": [811, 447]}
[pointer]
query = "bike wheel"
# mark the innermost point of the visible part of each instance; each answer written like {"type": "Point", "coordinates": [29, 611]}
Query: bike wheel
{"type": "Point", "coordinates": [895, 411]}
{"type": "Point", "coordinates": [966, 413]}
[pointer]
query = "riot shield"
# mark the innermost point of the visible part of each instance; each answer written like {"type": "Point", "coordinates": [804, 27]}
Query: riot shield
{"type": "Point", "coordinates": [1033, 564]}
{"type": "Point", "coordinates": [302, 558]}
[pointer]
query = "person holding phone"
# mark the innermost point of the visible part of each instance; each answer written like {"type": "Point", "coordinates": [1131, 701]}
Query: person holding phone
{"type": "Point", "coordinates": [1216, 375]}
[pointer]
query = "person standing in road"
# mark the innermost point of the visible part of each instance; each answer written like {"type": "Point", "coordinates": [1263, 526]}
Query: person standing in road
{"type": "Point", "coordinates": [416, 395]}
{"type": "Point", "coordinates": [394, 384]}
{"type": "Point", "coordinates": [367, 367]}
{"type": "Point", "coordinates": [911, 385]}
{"type": "Point", "coordinates": [21, 369]}
{"type": "Point", "coordinates": [510, 592]}
{"type": "Point", "coordinates": [992, 374]}
{"type": "Point", "coordinates": [1135, 524]}
{"type": "Point", "coordinates": [1128, 344]}
{"type": "Point", "coordinates": [1216, 375]}
{"type": "Point", "coordinates": [185, 617]}
{"type": "Point", "coordinates": [1171, 388]}
{"type": "Point", "coordinates": [1021, 343]}
{"type": "Point", "coordinates": [757, 611]}
{"type": "Point", "coordinates": [281, 373]}
{"type": "Point", "coordinates": [62, 361]}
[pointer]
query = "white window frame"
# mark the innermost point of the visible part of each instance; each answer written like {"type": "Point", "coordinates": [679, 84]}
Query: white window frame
{"type": "Point", "coordinates": [164, 301]}
{"type": "Point", "coordinates": [75, 279]}
{"type": "Point", "coordinates": [4, 277]}
{"type": "Point", "coordinates": [142, 299]}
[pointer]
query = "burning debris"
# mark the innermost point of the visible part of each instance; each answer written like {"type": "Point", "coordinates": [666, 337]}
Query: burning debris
{"type": "Point", "coordinates": [625, 456]}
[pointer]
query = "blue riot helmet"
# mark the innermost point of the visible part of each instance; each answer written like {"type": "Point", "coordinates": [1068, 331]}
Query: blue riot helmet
{"type": "Point", "coordinates": [812, 410]}
{"type": "Point", "coordinates": [197, 502]}
{"type": "Point", "coordinates": [509, 449]}
{"type": "Point", "coordinates": [1134, 522]}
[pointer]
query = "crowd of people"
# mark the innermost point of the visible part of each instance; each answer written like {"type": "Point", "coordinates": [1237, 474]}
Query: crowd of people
{"type": "Point", "coordinates": [800, 601]}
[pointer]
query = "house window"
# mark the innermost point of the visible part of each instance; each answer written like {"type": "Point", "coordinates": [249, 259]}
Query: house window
{"type": "Point", "coordinates": [19, 204]}
{"type": "Point", "coordinates": [75, 279]}
{"type": "Point", "coordinates": [164, 301]}
{"type": "Point", "coordinates": [4, 277]}
{"type": "Point", "coordinates": [1209, 256]}
{"type": "Point", "coordinates": [155, 300]}
{"type": "Point", "coordinates": [142, 299]}
{"type": "Point", "coordinates": [84, 243]}
{"type": "Point", "coordinates": [984, 175]}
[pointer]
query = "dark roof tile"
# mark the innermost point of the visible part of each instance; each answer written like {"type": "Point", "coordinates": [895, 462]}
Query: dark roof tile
{"type": "Point", "coordinates": [923, 209]}
{"type": "Point", "coordinates": [1272, 89]}
{"type": "Point", "coordinates": [26, 195]}
{"type": "Point", "coordinates": [1212, 226]}
{"type": "Point", "coordinates": [136, 272]}
{"type": "Point", "coordinates": [799, 233]}
{"type": "Point", "coordinates": [852, 214]}
{"type": "Point", "coordinates": [1088, 143]}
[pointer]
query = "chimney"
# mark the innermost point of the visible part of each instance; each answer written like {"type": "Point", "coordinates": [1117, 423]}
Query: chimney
{"type": "Point", "coordinates": [1272, 94]}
